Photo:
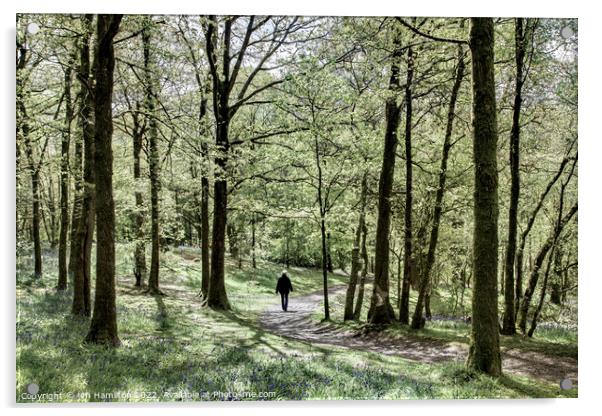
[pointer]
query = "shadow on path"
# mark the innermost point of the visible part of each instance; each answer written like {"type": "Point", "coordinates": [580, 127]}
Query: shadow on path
{"type": "Point", "coordinates": [297, 324]}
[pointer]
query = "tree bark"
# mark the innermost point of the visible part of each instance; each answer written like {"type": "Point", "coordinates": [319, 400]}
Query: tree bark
{"type": "Point", "coordinates": [34, 171]}
{"type": "Point", "coordinates": [323, 234]}
{"type": "Point", "coordinates": [328, 254]}
{"type": "Point", "coordinates": [217, 297]}
{"type": "Point", "coordinates": [381, 311]}
{"type": "Point", "coordinates": [35, 192]}
{"type": "Point", "coordinates": [404, 309]}
{"type": "Point", "coordinates": [360, 293]}
{"type": "Point", "coordinates": [76, 169]}
{"type": "Point", "coordinates": [65, 142]}
{"type": "Point", "coordinates": [355, 254]}
{"type": "Point", "coordinates": [509, 323]}
{"type": "Point", "coordinates": [253, 254]}
{"type": "Point", "coordinates": [539, 259]}
{"type": "Point", "coordinates": [140, 247]}
{"type": "Point", "coordinates": [525, 234]}
{"type": "Point", "coordinates": [103, 328]}
{"type": "Point", "coordinates": [542, 295]}
{"type": "Point", "coordinates": [81, 243]}
{"type": "Point", "coordinates": [205, 266]}
{"type": "Point", "coordinates": [154, 160]}
{"type": "Point", "coordinates": [484, 353]}
{"type": "Point", "coordinates": [417, 320]}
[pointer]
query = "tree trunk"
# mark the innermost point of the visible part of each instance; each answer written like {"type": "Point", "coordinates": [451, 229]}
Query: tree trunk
{"type": "Point", "coordinates": [484, 353]}
{"type": "Point", "coordinates": [534, 277]}
{"type": "Point", "coordinates": [35, 182]}
{"type": "Point", "coordinates": [51, 232]}
{"type": "Point", "coordinates": [253, 257]}
{"type": "Point", "coordinates": [76, 168]}
{"type": "Point", "coordinates": [103, 328]}
{"type": "Point", "coordinates": [37, 244]}
{"type": "Point", "coordinates": [542, 295]}
{"type": "Point", "coordinates": [404, 309]}
{"type": "Point", "coordinates": [355, 254]}
{"type": "Point", "coordinates": [217, 297]}
{"type": "Point", "coordinates": [325, 256]}
{"type": "Point", "coordinates": [81, 243]}
{"type": "Point", "coordinates": [360, 293]}
{"type": "Point", "coordinates": [205, 267]}
{"type": "Point", "coordinates": [427, 303]}
{"type": "Point", "coordinates": [381, 311]}
{"type": "Point", "coordinates": [525, 233]}
{"type": "Point", "coordinates": [417, 320]}
{"type": "Point", "coordinates": [324, 269]}
{"type": "Point", "coordinates": [154, 160]}
{"type": "Point", "coordinates": [140, 248]}
{"type": "Point", "coordinates": [555, 295]}
{"type": "Point", "coordinates": [328, 254]}
{"type": "Point", "coordinates": [66, 138]}
{"type": "Point", "coordinates": [509, 323]}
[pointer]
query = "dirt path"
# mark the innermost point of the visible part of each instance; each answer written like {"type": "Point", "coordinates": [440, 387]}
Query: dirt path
{"type": "Point", "coordinates": [297, 324]}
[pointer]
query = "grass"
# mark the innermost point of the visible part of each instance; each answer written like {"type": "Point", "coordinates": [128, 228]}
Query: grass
{"type": "Point", "coordinates": [173, 349]}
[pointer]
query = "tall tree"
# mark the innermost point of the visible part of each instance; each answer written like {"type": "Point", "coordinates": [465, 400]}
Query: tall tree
{"type": "Point", "coordinates": [216, 296]}
{"type": "Point", "coordinates": [81, 243]}
{"type": "Point", "coordinates": [381, 311]}
{"type": "Point", "coordinates": [509, 325]}
{"type": "Point", "coordinates": [34, 166]}
{"type": "Point", "coordinates": [356, 263]}
{"type": "Point", "coordinates": [225, 74]}
{"type": "Point", "coordinates": [202, 78]}
{"type": "Point", "coordinates": [404, 305]}
{"type": "Point", "coordinates": [484, 354]}
{"type": "Point", "coordinates": [532, 217]}
{"type": "Point", "coordinates": [154, 162]}
{"type": "Point", "coordinates": [357, 310]}
{"type": "Point", "coordinates": [548, 246]}
{"type": "Point", "coordinates": [138, 129]}
{"type": "Point", "coordinates": [417, 320]}
{"type": "Point", "coordinates": [65, 143]}
{"type": "Point", "coordinates": [103, 328]}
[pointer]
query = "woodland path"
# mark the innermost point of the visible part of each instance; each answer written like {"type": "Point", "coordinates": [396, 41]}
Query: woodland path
{"type": "Point", "coordinates": [297, 324]}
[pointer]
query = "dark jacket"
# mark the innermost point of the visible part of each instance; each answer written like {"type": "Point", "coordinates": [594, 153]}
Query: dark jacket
{"type": "Point", "coordinates": [284, 285]}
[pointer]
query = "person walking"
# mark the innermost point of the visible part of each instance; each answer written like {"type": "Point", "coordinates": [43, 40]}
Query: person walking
{"type": "Point", "coordinates": [284, 287]}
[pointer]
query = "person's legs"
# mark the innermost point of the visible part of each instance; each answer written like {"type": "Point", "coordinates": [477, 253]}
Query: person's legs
{"type": "Point", "coordinates": [286, 302]}
{"type": "Point", "coordinates": [282, 295]}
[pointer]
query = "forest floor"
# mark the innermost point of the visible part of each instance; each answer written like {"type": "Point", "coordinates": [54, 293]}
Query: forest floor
{"type": "Point", "coordinates": [174, 349]}
{"type": "Point", "coordinates": [300, 323]}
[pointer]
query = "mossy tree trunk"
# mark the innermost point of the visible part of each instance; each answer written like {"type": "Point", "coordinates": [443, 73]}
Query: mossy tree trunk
{"type": "Point", "coordinates": [408, 262]}
{"type": "Point", "coordinates": [548, 246]}
{"type": "Point", "coordinates": [139, 214]}
{"type": "Point", "coordinates": [523, 238]}
{"type": "Point", "coordinates": [103, 328]}
{"type": "Point", "coordinates": [154, 162]}
{"type": "Point", "coordinates": [509, 324]}
{"type": "Point", "coordinates": [34, 168]}
{"type": "Point", "coordinates": [381, 311]}
{"type": "Point", "coordinates": [81, 244]}
{"type": "Point", "coordinates": [64, 187]}
{"type": "Point", "coordinates": [357, 310]}
{"type": "Point", "coordinates": [484, 353]}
